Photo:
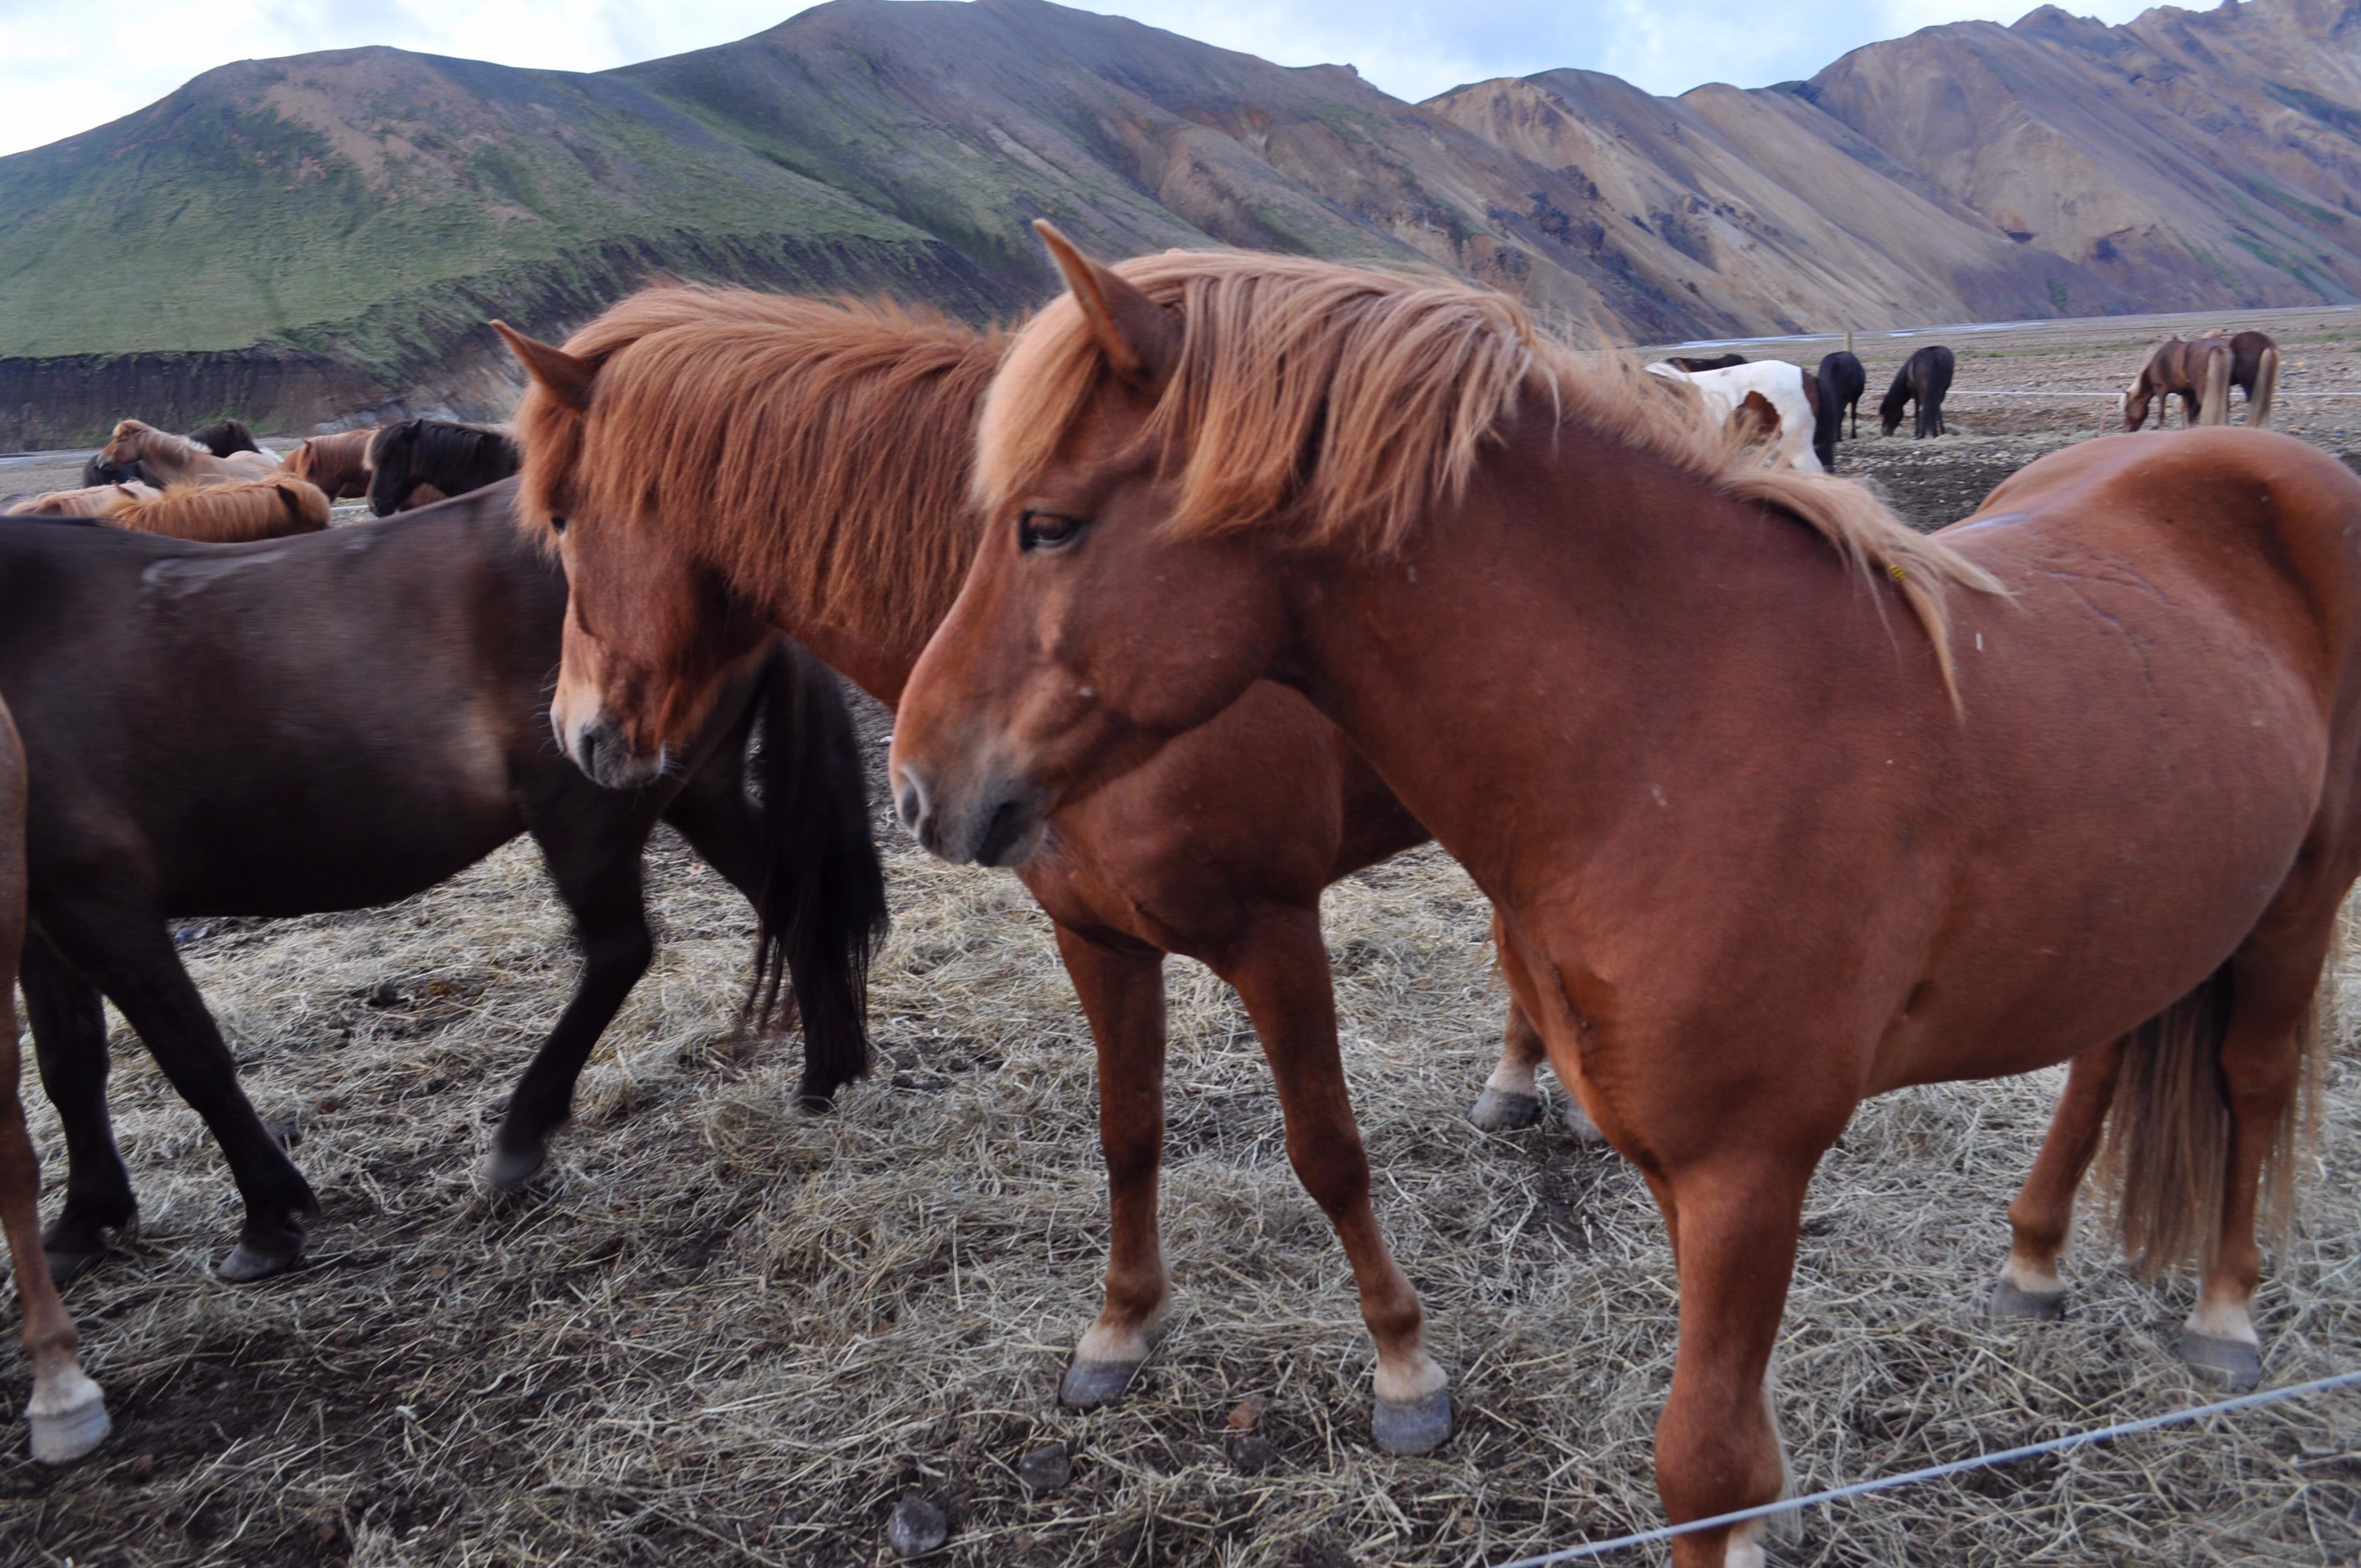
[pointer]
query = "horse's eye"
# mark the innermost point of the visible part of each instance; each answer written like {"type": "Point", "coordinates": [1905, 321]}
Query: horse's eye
{"type": "Point", "coordinates": [556, 525]}
{"type": "Point", "coordinates": [1046, 531]}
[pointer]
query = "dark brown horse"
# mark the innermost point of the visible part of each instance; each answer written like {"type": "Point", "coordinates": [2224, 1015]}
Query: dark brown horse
{"type": "Point", "coordinates": [1555, 622]}
{"type": "Point", "coordinates": [1840, 380]}
{"type": "Point", "coordinates": [2197, 373]}
{"type": "Point", "coordinates": [418, 461]}
{"type": "Point", "coordinates": [66, 1412]}
{"type": "Point", "coordinates": [715, 463]}
{"type": "Point", "coordinates": [1924, 379]}
{"type": "Point", "coordinates": [338, 464]}
{"type": "Point", "coordinates": [156, 685]}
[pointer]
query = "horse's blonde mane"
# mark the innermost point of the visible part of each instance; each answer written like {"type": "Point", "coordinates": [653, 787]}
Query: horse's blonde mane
{"type": "Point", "coordinates": [1342, 407]}
{"type": "Point", "coordinates": [179, 446]}
{"type": "Point", "coordinates": [230, 513]}
{"type": "Point", "coordinates": [815, 448]}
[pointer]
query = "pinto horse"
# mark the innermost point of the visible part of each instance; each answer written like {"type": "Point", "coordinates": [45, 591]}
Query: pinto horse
{"type": "Point", "coordinates": [1924, 379]}
{"type": "Point", "coordinates": [1768, 401]}
{"type": "Point", "coordinates": [713, 463]}
{"type": "Point", "coordinates": [338, 464]}
{"type": "Point", "coordinates": [67, 1413]}
{"type": "Point", "coordinates": [418, 461]}
{"type": "Point", "coordinates": [1757, 851]}
{"type": "Point", "coordinates": [153, 682]}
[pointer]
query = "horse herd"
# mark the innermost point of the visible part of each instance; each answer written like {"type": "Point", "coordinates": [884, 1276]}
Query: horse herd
{"type": "Point", "coordinates": [1223, 576]}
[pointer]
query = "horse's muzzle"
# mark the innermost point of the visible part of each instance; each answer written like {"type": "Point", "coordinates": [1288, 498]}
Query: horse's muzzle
{"type": "Point", "coordinates": [999, 824]}
{"type": "Point", "coordinates": [600, 750]}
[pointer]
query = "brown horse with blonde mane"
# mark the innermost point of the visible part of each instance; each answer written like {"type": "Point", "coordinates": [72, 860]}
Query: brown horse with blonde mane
{"type": "Point", "coordinates": [712, 462]}
{"type": "Point", "coordinates": [1761, 847]}
{"type": "Point", "coordinates": [90, 500]}
{"type": "Point", "coordinates": [338, 464]}
{"type": "Point", "coordinates": [166, 459]}
{"type": "Point", "coordinates": [229, 514]}
{"type": "Point", "coordinates": [2197, 373]}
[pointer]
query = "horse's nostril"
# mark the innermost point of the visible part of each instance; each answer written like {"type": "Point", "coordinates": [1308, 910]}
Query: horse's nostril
{"type": "Point", "coordinates": [911, 803]}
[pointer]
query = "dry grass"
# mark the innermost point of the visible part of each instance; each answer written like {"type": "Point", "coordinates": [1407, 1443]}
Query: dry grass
{"type": "Point", "coordinates": [724, 1333]}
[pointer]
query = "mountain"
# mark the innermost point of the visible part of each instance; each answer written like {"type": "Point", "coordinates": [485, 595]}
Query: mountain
{"type": "Point", "coordinates": [326, 236]}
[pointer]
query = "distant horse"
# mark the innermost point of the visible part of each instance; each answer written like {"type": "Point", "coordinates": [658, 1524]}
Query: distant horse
{"type": "Point", "coordinates": [711, 463]}
{"type": "Point", "coordinates": [423, 454]}
{"type": "Point", "coordinates": [2197, 373]}
{"type": "Point", "coordinates": [1841, 382]}
{"type": "Point", "coordinates": [1792, 399]}
{"type": "Point", "coordinates": [91, 500]}
{"type": "Point", "coordinates": [338, 464]}
{"type": "Point", "coordinates": [1924, 378]}
{"type": "Point", "coordinates": [167, 459]}
{"type": "Point", "coordinates": [1693, 364]}
{"type": "Point", "coordinates": [155, 680]}
{"type": "Point", "coordinates": [67, 1413]}
{"type": "Point", "coordinates": [229, 513]}
{"type": "Point", "coordinates": [2254, 369]}
{"type": "Point", "coordinates": [221, 439]}
{"type": "Point", "coordinates": [1203, 470]}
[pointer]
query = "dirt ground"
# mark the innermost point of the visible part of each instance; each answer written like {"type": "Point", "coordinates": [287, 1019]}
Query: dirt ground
{"type": "Point", "coordinates": [720, 1331]}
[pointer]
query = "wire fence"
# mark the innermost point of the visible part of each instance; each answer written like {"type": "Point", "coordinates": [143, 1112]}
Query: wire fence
{"type": "Point", "coordinates": [1936, 1472]}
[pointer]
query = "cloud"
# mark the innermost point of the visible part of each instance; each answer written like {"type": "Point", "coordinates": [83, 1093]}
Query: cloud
{"type": "Point", "coordinates": [65, 67]}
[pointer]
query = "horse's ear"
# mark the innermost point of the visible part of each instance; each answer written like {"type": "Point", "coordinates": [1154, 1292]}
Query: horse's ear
{"type": "Point", "coordinates": [563, 376]}
{"type": "Point", "coordinates": [1140, 338]}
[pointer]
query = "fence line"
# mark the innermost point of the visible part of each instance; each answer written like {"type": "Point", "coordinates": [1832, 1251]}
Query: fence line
{"type": "Point", "coordinates": [1936, 1472]}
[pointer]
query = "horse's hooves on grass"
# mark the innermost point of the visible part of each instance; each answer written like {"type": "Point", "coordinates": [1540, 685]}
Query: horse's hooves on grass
{"type": "Point", "coordinates": [1496, 1112]}
{"type": "Point", "coordinates": [1417, 1426]}
{"type": "Point", "coordinates": [1089, 1384]}
{"type": "Point", "coordinates": [2238, 1364]}
{"type": "Point", "coordinates": [2009, 1304]}
{"type": "Point", "coordinates": [505, 1170]}
{"type": "Point", "coordinates": [65, 1436]}
{"type": "Point", "coordinates": [248, 1263]}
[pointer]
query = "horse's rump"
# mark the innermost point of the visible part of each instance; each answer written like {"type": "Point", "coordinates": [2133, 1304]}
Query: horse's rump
{"type": "Point", "coordinates": [338, 464]}
{"type": "Point", "coordinates": [225, 437]}
{"type": "Point", "coordinates": [230, 513]}
{"type": "Point", "coordinates": [91, 500]}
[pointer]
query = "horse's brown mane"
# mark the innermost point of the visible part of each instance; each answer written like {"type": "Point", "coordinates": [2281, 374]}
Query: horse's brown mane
{"type": "Point", "coordinates": [232, 512]}
{"type": "Point", "coordinates": [1342, 406]}
{"type": "Point", "coordinates": [818, 447]}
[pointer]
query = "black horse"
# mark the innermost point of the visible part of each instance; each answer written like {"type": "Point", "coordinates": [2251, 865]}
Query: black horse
{"type": "Point", "coordinates": [1923, 377]}
{"type": "Point", "coordinates": [347, 719]}
{"type": "Point", "coordinates": [419, 461]}
{"type": "Point", "coordinates": [221, 438]}
{"type": "Point", "coordinates": [1841, 382]}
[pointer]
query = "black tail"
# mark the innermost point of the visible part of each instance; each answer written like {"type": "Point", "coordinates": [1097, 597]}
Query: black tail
{"type": "Point", "coordinates": [822, 903]}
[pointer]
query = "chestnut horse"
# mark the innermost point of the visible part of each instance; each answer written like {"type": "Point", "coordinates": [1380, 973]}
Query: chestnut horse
{"type": "Point", "coordinates": [229, 513]}
{"type": "Point", "coordinates": [713, 463]}
{"type": "Point", "coordinates": [67, 1414]}
{"type": "Point", "coordinates": [2197, 373]}
{"type": "Point", "coordinates": [165, 459]}
{"type": "Point", "coordinates": [338, 464]}
{"type": "Point", "coordinates": [91, 500]}
{"type": "Point", "coordinates": [1760, 848]}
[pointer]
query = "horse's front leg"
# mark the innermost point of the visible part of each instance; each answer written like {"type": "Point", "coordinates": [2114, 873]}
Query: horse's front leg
{"type": "Point", "coordinates": [1280, 966]}
{"type": "Point", "coordinates": [1121, 988]}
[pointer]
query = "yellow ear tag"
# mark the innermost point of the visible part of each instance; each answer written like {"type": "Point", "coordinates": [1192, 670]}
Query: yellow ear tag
{"type": "Point", "coordinates": [1894, 569]}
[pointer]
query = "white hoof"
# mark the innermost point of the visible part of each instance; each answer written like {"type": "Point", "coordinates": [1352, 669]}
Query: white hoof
{"type": "Point", "coordinates": [61, 1437]}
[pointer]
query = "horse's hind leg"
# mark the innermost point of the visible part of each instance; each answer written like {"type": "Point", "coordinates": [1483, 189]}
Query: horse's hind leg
{"type": "Point", "coordinates": [1280, 966]}
{"type": "Point", "coordinates": [66, 1412]}
{"type": "Point", "coordinates": [2038, 1221]}
{"type": "Point", "coordinates": [1510, 1099]}
{"type": "Point", "coordinates": [68, 1021]}
{"type": "Point", "coordinates": [596, 865]}
{"type": "Point", "coordinates": [1121, 986]}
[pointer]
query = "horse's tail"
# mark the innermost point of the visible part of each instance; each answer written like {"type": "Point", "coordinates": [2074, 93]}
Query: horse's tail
{"type": "Point", "coordinates": [2267, 380]}
{"type": "Point", "coordinates": [2168, 1142]}
{"type": "Point", "coordinates": [2213, 397]}
{"type": "Point", "coordinates": [822, 898]}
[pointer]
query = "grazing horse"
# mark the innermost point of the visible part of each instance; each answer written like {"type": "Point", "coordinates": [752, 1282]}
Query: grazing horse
{"type": "Point", "coordinates": [229, 514]}
{"type": "Point", "coordinates": [165, 459]}
{"type": "Point", "coordinates": [716, 462]}
{"type": "Point", "coordinates": [2197, 373]}
{"type": "Point", "coordinates": [417, 462]}
{"type": "Point", "coordinates": [1769, 401]}
{"type": "Point", "coordinates": [1759, 847]}
{"type": "Point", "coordinates": [1692, 364]}
{"type": "Point", "coordinates": [1842, 381]}
{"type": "Point", "coordinates": [153, 681]}
{"type": "Point", "coordinates": [338, 464]}
{"type": "Point", "coordinates": [91, 500]}
{"type": "Point", "coordinates": [67, 1414]}
{"type": "Point", "coordinates": [1924, 379]}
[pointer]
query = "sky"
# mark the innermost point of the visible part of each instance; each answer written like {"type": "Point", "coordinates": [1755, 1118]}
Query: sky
{"type": "Point", "coordinates": [65, 68]}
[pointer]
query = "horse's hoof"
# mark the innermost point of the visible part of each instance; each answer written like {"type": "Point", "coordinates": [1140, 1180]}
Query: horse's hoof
{"type": "Point", "coordinates": [1089, 1384]}
{"type": "Point", "coordinates": [2233, 1361]}
{"type": "Point", "coordinates": [1579, 1123]}
{"type": "Point", "coordinates": [1496, 1111]}
{"type": "Point", "coordinates": [66, 1435]}
{"type": "Point", "coordinates": [2010, 1304]}
{"type": "Point", "coordinates": [1414, 1426]}
{"type": "Point", "coordinates": [248, 1263]}
{"type": "Point", "coordinates": [505, 1170]}
{"type": "Point", "coordinates": [66, 1266]}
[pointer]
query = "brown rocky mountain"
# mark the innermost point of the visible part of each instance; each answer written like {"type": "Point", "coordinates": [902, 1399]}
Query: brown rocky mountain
{"type": "Point", "coordinates": [313, 238]}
